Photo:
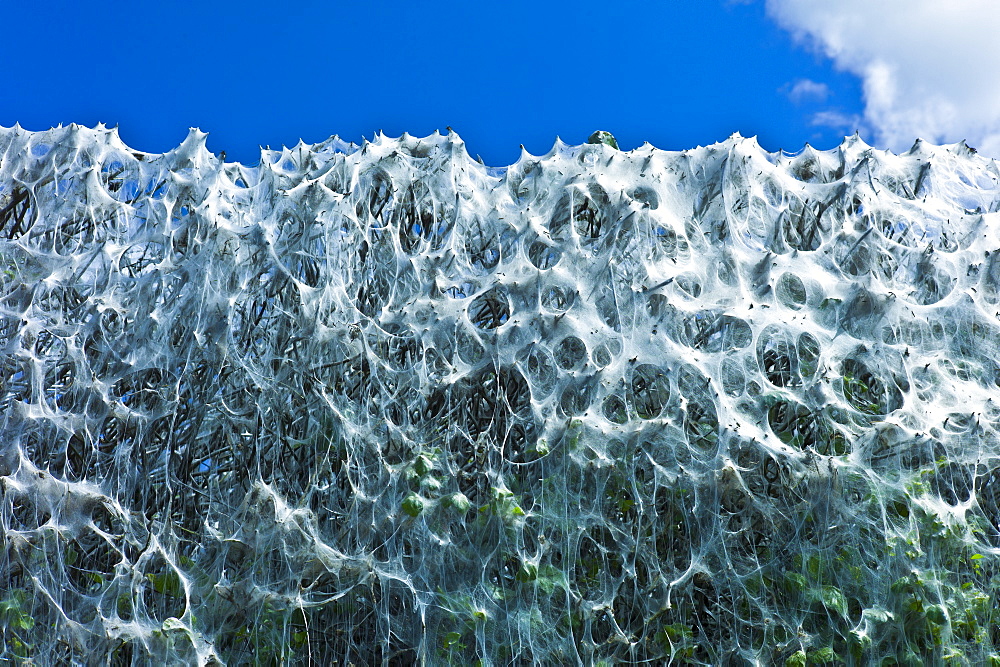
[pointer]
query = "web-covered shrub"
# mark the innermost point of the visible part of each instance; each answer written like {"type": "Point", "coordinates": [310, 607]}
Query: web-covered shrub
{"type": "Point", "coordinates": [385, 405]}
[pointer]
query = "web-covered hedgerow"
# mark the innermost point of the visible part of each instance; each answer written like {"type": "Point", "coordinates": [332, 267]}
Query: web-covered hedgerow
{"type": "Point", "coordinates": [382, 404]}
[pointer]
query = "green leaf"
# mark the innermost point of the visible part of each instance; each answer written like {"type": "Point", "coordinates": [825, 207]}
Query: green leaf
{"type": "Point", "coordinates": [431, 484]}
{"type": "Point", "coordinates": [823, 655]}
{"type": "Point", "coordinates": [423, 465]}
{"type": "Point", "coordinates": [528, 572]}
{"type": "Point", "coordinates": [876, 615]}
{"type": "Point", "coordinates": [678, 632]}
{"type": "Point", "coordinates": [603, 137]}
{"type": "Point", "coordinates": [858, 643]}
{"type": "Point", "coordinates": [936, 615]}
{"type": "Point", "coordinates": [794, 582]}
{"type": "Point", "coordinates": [832, 599]}
{"type": "Point", "coordinates": [168, 583]}
{"type": "Point", "coordinates": [815, 566]}
{"type": "Point", "coordinates": [23, 622]}
{"type": "Point", "coordinates": [797, 659]}
{"type": "Point", "coordinates": [460, 502]}
{"type": "Point", "coordinates": [173, 624]}
{"type": "Point", "coordinates": [500, 492]}
{"type": "Point", "coordinates": [413, 505]}
{"type": "Point", "coordinates": [549, 578]}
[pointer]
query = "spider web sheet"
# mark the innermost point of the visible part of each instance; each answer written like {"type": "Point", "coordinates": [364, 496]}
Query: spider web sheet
{"type": "Point", "coordinates": [382, 404]}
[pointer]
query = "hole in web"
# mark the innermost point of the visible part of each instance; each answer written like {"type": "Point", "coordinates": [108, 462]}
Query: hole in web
{"type": "Point", "coordinates": [491, 309]}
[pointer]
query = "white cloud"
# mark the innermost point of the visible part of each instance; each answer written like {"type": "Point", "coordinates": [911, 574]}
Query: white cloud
{"type": "Point", "coordinates": [837, 120]}
{"type": "Point", "coordinates": [930, 69]}
{"type": "Point", "coordinates": [806, 90]}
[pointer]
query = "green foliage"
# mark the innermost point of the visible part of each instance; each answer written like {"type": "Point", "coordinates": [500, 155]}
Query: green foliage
{"type": "Point", "coordinates": [275, 635]}
{"type": "Point", "coordinates": [823, 656]}
{"type": "Point", "coordinates": [452, 640]}
{"type": "Point", "coordinates": [413, 505]}
{"type": "Point", "coordinates": [505, 505]}
{"type": "Point", "coordinates": [166, 583]}
{"type": "Point", "coordinates": [16, 623]}
{"type": "Point", "coordinates": [797, 659]}
{"type": "Point", "coordinates": [831, 599]}
{"type": "Point", "coordinates": [602, 137]}
{"type": "Point", "coordinates": [459, 502]}
{"type": "Point", "coordinates": [677, 640]}
{"type": "Point", "coordinates": [423, 465]}
{"type": "Point", "coordinates": [13, 613]}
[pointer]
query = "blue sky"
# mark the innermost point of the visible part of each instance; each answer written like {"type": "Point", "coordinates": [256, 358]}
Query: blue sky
{"type": "Point", "coordinates": [676, 74]}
